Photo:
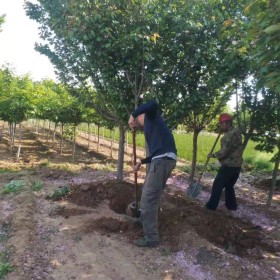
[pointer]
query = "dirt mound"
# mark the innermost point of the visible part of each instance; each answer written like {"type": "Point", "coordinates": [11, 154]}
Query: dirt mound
{"type": "Point", "coordinates": [118, 192]}
{"type": "Point", "coordinates": [234, 235]}
{"type": "Point", "coordinates": [178, 214]}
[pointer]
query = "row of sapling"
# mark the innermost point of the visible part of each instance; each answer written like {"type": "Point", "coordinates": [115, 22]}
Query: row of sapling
{"type": "Point", "coordinates": [190, 64]}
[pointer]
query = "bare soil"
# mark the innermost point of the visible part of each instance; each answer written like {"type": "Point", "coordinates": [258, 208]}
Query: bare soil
{"type": "Point", "coordinates": [87, 235]}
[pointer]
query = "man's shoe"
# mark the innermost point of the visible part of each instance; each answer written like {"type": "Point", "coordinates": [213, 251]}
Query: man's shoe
{"type": "Point", "coordinates": [144, 243]}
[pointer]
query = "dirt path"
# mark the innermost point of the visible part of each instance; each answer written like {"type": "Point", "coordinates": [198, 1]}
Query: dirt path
{"type": "Point", "coordinates": [86, 235]}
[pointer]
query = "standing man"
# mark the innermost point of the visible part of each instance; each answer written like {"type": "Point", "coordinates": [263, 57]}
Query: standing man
{"type": "Point", "coordinates": [230, 157]}
{"type": "Point", "coordinates": [162, 159]}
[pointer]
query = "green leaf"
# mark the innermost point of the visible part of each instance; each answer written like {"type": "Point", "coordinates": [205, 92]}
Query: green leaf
{"type": "Point", "coordinates": [272, 28]}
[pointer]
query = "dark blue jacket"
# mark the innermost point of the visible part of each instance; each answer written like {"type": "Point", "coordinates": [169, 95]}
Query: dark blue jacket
{"type": "Point", "coordinates": [158, 136]}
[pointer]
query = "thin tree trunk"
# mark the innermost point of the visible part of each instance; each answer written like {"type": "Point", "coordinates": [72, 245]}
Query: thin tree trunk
{"type": "Point", "coordinates": [12, 131]}
{"type": "Point", "coordinates": [114, 135]}
{"type": "Point", "coordinates": [98, 138]}
{"type": "Point", "coordinates": [44, 129]}
{"type": "Point", "coordinates": [274, 177]}
{"type": "Point", "coordinates": [121, 153]}
{"type": "Point", "coordinates": [61, 140]}
{"type": "Point", "coordinates": [88, 136]}
{"type": "Point", "coordinates": [19, 142]}
{"type": "Point", "coordinates": [194, 155]}
{"type": "Point", "coordinates": [49, 129]}
{"type": "Point", "coordinates": [111, 147]}
{"type": "Point", "coordinates": [54, 131]}
{"type": "Point", "coordinates": [95, 134]}
{"type": "Point", "coordinates": [38, 126]}
{"type": "Point", "coordinates": [2, 131]}
{"type": "Point", "coordinates": [103, 136]}
{"type": "Point", "coordinates": [74, 143]}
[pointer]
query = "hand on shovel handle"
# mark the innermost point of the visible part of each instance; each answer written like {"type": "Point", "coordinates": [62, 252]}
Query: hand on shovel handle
{"type": "Point", "coordinates": [137, 166]}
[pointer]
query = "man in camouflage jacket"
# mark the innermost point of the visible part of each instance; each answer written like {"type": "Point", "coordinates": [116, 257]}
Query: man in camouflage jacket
{"type": "Point", "coordinates": [230, 157]}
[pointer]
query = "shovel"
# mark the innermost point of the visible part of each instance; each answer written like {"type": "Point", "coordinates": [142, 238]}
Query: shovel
{"type": "Point", "coordinates": [195, 188]}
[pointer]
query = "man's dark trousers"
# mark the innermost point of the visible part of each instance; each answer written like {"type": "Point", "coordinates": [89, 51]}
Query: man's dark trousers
{"type": "Point", "coordinates": [226, 178]}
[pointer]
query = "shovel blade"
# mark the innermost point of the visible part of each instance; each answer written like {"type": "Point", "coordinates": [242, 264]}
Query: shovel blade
{"type": "Point", "coordinates": [193, 190]}
{"type": "Point", "coordinates": [132, 210]}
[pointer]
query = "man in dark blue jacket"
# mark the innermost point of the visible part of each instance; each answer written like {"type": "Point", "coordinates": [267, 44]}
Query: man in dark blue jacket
{"type": "Point", "coordinates": [162, 159]}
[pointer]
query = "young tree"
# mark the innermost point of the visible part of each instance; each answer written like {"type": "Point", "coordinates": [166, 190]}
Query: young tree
{"type": "Point", "coordinates": [264, 35]}
{"type": "Point", "coordinates": [108, 44]}
{"type": "Point", "coordinates": [198, 85]}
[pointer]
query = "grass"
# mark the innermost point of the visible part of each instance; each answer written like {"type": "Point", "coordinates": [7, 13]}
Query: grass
{"type": "Point", "coordinates": [4, 233]}
{"type": "Point", "coordinates": [59, 193]}
{"type": "Point", "coordinates": [37, 186]}
{"type": "Point", "coordinates": [260, 162]}
{"type": "Point", "coordinates": [5, 268]}
{"type": "Point", "coordinates": [14, 186]}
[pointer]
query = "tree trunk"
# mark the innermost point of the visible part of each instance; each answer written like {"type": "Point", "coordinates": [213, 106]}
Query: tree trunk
{"type": "Point", "coordinates": [88, 125]}
{"type": "Point", "coordinates": [98, 138]}
{"type": "Point", "coordinates": [194, 155]}
{"type": "Point", "coordinates": [2, 131]}
{"type": "Point", "coordinates": [12, 133]}
{"type": "Point", "coordinates": [111, 148]}
{"type": "Point", "coordinates": [274, 176]}
{"type": "Point", "coordinates": [61, 140]}
{"type": "Point", "coordinates": [38, 126]}
{"type": "Point", "coordinates": [121, 153]}
{"type": "Point", "coordinates": [44, 129]}
{"type": "Point", "coordinates": [48, 135]}
{"type": "Point", "coordinates": [54, 131]}
{"type": "Point", "coordinates": [103, 136]}
{"type": "Point", "coordinates": [19, 143]}
{"type": "Point", "coordinates": [74, 143]}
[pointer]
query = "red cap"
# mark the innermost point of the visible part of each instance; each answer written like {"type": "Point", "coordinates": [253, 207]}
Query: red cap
{"type": "Point", "coordinates": [225, 117]}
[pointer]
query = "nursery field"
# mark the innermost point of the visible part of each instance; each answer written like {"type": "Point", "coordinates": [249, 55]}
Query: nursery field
{"type": "Point", "coordinates": [65, 219]}
{"type": "Point", "coordinates": [253, 159]}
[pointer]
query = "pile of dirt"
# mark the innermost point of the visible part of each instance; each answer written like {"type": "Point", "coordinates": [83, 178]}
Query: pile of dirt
{"type": "Point", "coordinates": [177, 215]}
{"type": "Point", "coordinates": [119, 193]}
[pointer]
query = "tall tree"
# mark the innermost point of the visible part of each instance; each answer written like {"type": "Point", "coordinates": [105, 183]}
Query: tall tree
{"type": "Point", "coordinates": [264, 34]}
{"type": "Point", "coordinates": [108, 44]}
{"type": "Point", "coordinates": [198, 83]}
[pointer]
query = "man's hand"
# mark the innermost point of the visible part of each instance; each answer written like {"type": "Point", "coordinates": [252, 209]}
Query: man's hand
{"type": "Point", "coordinates": [136, 167]}
{"type": "Point", "coordinates": [131, 122]}
{"type": "Point", "coordinates": [211, 155]}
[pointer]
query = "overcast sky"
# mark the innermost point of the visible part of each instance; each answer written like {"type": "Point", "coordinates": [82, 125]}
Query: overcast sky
{"type": "Point", "coordinates": [17, 41]}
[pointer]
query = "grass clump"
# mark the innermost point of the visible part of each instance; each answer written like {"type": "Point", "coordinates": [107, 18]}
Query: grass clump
{"type": "Point", "coordinates": [37, 186]}
{"type": "Point", "coordinates": [59, 193]}
{"type": "Point", "coordinates": [14, 186]}
{"type": "Point", "coordinates": [4, 233]}
{"type": "Point", "coordinates": [259, 162]}
{"type": "Point", "coordinates": [5, 268]}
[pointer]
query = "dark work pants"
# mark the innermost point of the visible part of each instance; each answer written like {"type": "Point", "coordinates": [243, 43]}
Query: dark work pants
{"type": "Point", "coordinates": [225, 179]}
{"type": "Point", "coordinates": [159, 171]}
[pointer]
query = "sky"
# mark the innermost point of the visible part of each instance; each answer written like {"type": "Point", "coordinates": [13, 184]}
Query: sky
{"type": "Point", "coordinates": [17, 42]}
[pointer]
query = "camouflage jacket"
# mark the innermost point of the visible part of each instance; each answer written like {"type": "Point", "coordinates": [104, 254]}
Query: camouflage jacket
{"type": "Point", "coordinates": [231, 150]}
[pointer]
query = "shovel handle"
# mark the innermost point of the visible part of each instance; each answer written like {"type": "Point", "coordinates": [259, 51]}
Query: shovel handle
{"type": "Point", "coordinates": [134, 163]}
{"type": "Point", "coordinates": [206, 163]}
